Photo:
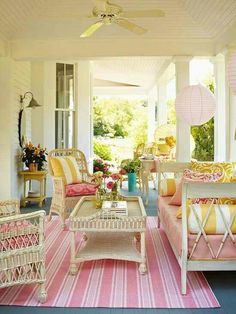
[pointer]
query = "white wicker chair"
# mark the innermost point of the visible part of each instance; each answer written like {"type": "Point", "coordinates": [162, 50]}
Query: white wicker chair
{"type": "Point", "coordinates": [22, 254]}
{"type": "Point", "coordinates": [61, 204]}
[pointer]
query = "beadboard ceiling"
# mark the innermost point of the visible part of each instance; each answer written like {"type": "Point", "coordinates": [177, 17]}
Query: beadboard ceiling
{"type": "Point", "coordinates": [40, 19]}
{"type": "Point", "coordinates": [50, 29]}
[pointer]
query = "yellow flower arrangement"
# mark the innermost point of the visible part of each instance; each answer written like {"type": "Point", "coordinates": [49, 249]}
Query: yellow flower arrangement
{"type": "Point", "coordinates": [170, 141]}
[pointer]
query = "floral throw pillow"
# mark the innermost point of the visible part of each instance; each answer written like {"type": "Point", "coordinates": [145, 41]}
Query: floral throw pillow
{"type": "Point", "coordinates": [226, 169]}
{"type": "Point", "coordinates": [193, 176]}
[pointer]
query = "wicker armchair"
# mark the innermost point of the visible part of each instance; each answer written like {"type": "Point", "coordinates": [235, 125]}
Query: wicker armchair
{"type": "Point", "coordinates": [62, 204]}
{"type": "Point", "coordinates": [22, 255]}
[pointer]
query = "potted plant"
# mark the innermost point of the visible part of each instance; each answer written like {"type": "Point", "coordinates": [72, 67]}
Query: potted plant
{"type": "Point", "coordinates": [34, 157]}
{"type": "Point", "coordinates": [131, 167]}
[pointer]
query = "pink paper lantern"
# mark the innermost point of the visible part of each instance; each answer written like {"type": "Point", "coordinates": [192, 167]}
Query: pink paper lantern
{"type": "Point", "coordinates": [231, 71]}
{"type": "Point", "coordinates": [195, 105]}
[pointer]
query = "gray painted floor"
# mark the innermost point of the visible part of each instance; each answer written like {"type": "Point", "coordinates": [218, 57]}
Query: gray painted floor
{"type": "Point", "coordinates": [222, 283]}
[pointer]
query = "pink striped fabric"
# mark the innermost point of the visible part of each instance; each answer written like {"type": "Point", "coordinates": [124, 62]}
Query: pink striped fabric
{"type": "Point", "coordinates": [113, 283]}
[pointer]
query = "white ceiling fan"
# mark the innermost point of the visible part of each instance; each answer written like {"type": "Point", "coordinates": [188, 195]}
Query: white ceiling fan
{"type": "Point", "coordinates": [109, 13]}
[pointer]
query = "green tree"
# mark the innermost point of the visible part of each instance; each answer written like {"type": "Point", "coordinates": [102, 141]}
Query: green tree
{"type": "Point", "coordinates": [204, 134]}
{"type": "Point", "coordinates": [112, 117]}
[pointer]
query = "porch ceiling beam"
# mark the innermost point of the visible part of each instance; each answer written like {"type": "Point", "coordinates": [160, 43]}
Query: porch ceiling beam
{"type": "Point", "coordinates": [90, 48]}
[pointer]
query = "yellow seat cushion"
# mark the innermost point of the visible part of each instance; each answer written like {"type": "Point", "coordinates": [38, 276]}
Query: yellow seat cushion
{"type": "Point", "coordinates": [67, 168]}
{"type": "Point", "coordinates": [226, 168]}
{"type": "Point", "coordinates": [215, 222]}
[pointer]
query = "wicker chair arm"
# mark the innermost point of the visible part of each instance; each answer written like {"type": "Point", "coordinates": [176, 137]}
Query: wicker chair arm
{"type": "Point", "coordinates": [21, 217]}
{"type": "Point", "coordinates": [32, 223]}
{"type": "Point", "coordinates": [9, 207]}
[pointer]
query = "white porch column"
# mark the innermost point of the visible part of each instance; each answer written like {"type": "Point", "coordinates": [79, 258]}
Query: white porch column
{"type": "Point", "coordinates": [162, 107]}
{"type": "Point", "coordinates": [152, 98]}
{"type": "Point", "coordinates": [220, 122]}
{"type": "Point", "coordinates": [230, 118]}
{"type": "Point", "coordinates": [84, 103]}
{"type": "Point", "coordinates": [182, 129]}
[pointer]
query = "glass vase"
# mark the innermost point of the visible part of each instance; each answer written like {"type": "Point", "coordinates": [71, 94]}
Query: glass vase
{"type": "Point", "coordinates": [100, 197]}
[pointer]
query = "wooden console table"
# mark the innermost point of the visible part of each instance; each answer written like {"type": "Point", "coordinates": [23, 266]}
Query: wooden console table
{"type": "Point", "coordinates": [39, 176]}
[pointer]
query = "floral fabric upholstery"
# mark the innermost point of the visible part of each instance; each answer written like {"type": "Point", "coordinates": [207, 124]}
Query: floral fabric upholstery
{"type": "Point", "coordinates": [81, 189]}
{"type": "Point", "coordinates": [226, 168]}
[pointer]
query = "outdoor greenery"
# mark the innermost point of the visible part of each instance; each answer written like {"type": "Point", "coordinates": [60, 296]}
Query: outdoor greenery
{"type": "Point", "coordinates": [117, 121]}
{"type": "Point", "coordinates": [102, 150]}
{"type": "Point", "coordinates": [131, 165]}
{"type": "Point", "coordinates": [112, 117]}
{"type": "Point", "coordinates": [204, 135]}
{"type": "Point", "coordinates": [204, 141]}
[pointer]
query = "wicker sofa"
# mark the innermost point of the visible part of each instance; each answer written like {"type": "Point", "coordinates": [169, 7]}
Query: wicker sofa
{"type": "Point", "coordinates": [201, 251]}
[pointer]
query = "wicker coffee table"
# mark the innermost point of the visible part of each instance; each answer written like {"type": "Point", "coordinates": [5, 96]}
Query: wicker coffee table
{"type": "Point", "coordinates": [108, 237]}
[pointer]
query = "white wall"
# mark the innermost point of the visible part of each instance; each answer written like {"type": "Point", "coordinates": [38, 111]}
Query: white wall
{"type": "Point", "coordinates": [43, 76]}
{"type": "Point", "coordinates": [14, 81]}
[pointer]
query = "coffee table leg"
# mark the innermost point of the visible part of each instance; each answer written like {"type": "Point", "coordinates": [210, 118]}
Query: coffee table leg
{"type": "Point", "coordinates": [142, 266]}
{"type": "Point", "coordinates": [73, 267]}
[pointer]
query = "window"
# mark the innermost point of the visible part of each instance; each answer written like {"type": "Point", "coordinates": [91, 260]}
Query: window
{"type": "Point", "coordinates": [65, 107]}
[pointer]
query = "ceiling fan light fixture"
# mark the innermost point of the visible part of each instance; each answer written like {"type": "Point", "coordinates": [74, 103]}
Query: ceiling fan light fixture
{"type": "Point", "coordinates": [109, 13]}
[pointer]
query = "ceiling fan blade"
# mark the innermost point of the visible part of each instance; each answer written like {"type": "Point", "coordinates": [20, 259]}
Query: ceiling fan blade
{"type": "Point", "coordinates": [143, 13]}
{"type": "Point", "coordinates": [65, 16]}
{"type": "Point", "coordinates": [131, 26]}
{"type": "Point", "coordinates": [91, 29]}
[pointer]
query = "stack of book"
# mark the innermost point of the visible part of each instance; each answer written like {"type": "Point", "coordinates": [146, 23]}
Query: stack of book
{"type": "Point", "coordinates": [116, 207]}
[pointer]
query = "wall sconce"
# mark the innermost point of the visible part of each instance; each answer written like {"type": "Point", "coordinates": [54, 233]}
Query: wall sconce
{"type": "Point", "coordinates": [32, 104]}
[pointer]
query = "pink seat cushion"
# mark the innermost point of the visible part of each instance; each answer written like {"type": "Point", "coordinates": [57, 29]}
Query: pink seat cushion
{"type": "Point", "coordinates": [80, 189]}
{"type": "Point", "coordinates": [173, 230]}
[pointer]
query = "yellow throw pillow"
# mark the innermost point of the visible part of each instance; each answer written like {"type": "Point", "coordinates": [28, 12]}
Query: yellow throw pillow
{"type": "Point", "coordinates": [168, 187]}
{"type": "Point", "coordinates": [67, 168]}
{"type": "Point", "coordinates": [226, 168]}
{"type": "Point", "coordinates": [215, 223]}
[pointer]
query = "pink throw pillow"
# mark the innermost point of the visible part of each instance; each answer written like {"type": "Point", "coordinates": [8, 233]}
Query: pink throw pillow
{"type": "Point", "coordinates": [81, 189]}
{"type": "Point", "coordinates": [192, 176]}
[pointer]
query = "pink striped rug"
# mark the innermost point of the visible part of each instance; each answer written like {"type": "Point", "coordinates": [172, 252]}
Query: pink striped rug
{"type": "Point", "coordinates": [114, 284]}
